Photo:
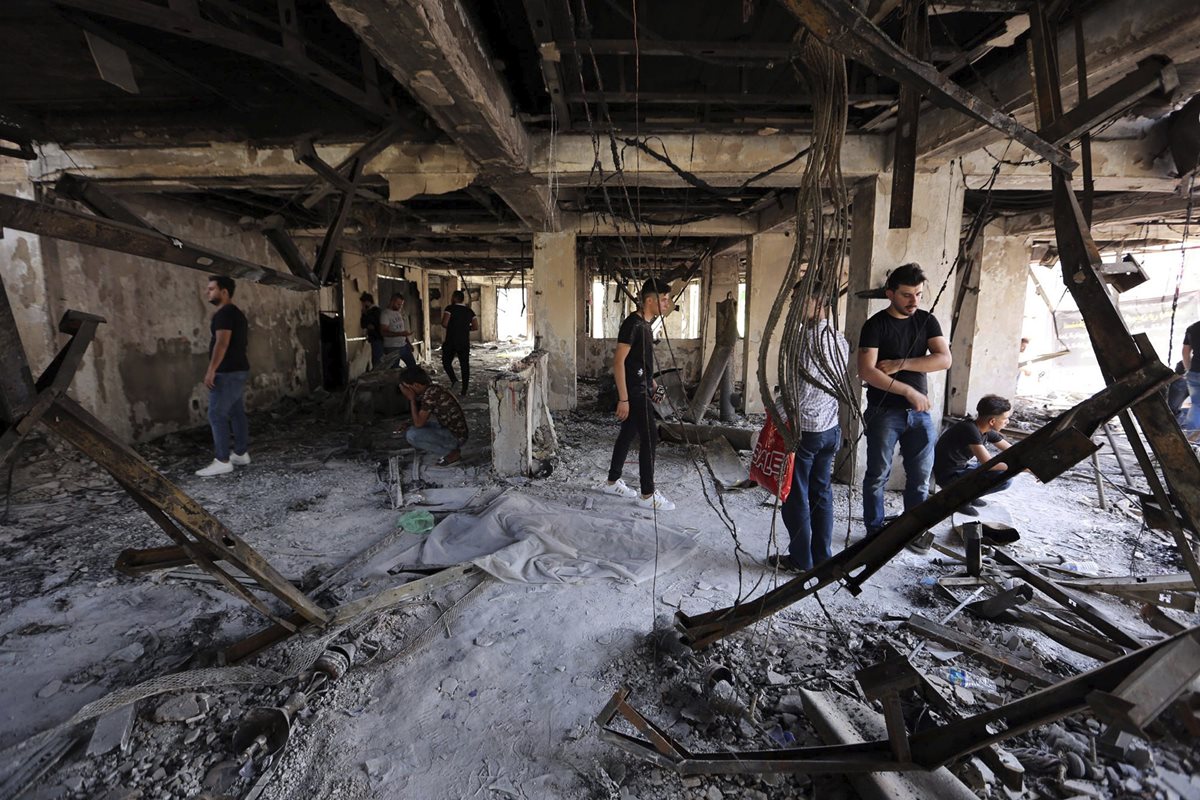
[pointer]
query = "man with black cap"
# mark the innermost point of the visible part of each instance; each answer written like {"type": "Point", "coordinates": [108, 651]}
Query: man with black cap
{"type": "Point", "coordinates": [633, 370]}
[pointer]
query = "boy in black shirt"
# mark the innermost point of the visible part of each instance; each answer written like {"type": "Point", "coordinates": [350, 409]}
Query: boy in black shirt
{"type": "Point", "coordinates": [228, 369]}
{"type": "Point", "coordinates": [965, 440]}
{"type": "Point", "coordinates": [633, 369]}
{"type": "Point", "coordinates": [459, 320]}
{"type": "Point", "coordinates": [897, 348]}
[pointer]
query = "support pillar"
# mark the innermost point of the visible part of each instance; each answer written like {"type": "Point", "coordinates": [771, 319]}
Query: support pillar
{"type": "Point", "coordinates": [555, 309]}
{"type": "Point", "coordinates": [487, 312]}
{"type": "Point", "coordinates": [766, 265]}
{"type": "Point", "coordinates": [723, 282]}
{"type": "Point", "coordinates": [421, 318]}
{"type": "Point", "coordinates": [875, 250]}
{"type": "Point", "coordinates": [987, 335]}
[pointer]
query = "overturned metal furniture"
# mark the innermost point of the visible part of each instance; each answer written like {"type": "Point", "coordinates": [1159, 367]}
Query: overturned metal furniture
{"type": "Point", "coordinates": [1128, 693]}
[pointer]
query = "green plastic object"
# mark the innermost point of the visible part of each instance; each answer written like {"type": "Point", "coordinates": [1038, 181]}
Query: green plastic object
{"type": "Point", "coordinates": [417, 521]}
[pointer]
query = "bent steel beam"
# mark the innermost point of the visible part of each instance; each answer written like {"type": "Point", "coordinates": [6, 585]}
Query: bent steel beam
{"type": "Point", "coordinates": [1047, 453]}
{"type": "Point", "coordinates": [1124, 684]}
{"type": "Point", "coordinates": [844, 28]}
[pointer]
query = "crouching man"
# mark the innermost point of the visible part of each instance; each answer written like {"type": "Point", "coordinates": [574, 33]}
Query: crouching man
{"type": "Point", "coordinates": [965, 441]}
{"type": "Point", "coordinates": [439, 425]}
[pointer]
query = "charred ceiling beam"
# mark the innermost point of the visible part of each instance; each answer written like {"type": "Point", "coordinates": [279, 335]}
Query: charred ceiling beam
{"type": "Point", "coordinates": [547, 23]}
{"type": "Point", "coordinates": [844, 28]}
{"type": "Point", "coordinates": [100, 202]}
{"type": "Point", "coordinates": [904, 150]}
{"type": "Point", "coordinates": [434, 50]}
{"type": "Point", "coordinates": [1118, 36]}
{"type": "Point", "coordinates": [1155, 74]}
{"type": "Point", "coordinates": [184, 20]}
{"type": "Point", "coordinates": [44, 219]}
{"type": "Point", "coordinates": [1125, 207]}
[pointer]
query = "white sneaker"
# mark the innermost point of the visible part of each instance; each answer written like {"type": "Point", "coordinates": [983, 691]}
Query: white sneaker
{"type": "Point", "coordinates": [656, 501]}
{"type": "Point", "coordinates": [240, 461]}
{"type": "Point", "coordinates": [215, 468]}
{"type": "Point", "coordinates": [620, 489]}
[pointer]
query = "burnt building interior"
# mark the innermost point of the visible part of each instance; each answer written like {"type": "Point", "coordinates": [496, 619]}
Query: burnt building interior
{"type": "Point", "coordinates": [347, 615]}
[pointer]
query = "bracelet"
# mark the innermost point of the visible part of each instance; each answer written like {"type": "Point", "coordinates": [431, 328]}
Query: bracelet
{"type": "Point", "coordinates": [622, 401]}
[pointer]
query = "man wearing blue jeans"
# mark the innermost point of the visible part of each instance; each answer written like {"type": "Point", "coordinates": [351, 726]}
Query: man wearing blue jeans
{"type": "Point", "coordinates": [228, 369]}
{"type": "Point", "coordinates": [808, 511]}
{"type": "Point", "coordinates": [439, 425]}
{"type": "Point", "coordinates": [897, 348]}
{"type": "Point", "coordinates": [1191, 423]}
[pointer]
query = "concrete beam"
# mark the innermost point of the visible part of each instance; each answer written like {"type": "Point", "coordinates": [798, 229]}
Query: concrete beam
{"type": "Point", "coordinates": [725, 161]}
{"type": "Point", "coordinates": [1118, 34]}
{"type": "Point", "coordinates": [433, 49]}
{"type": "Point", "coordinates": [1118, 165]}
{"type": "Point", "coordinates": [717, 159]}
{"type": "Point", "coordinates": [1131, 207]}
{"type": "Point", "coordinates": [225, 164]}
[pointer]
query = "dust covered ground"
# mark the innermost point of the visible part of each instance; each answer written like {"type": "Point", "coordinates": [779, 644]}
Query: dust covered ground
{"type": "Point", "coordinates": [483, 689]}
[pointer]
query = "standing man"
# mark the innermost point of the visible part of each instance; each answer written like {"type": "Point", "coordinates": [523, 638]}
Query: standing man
{"type": "Point", "coordinates": [808, 511]}
{"type": "Point", "coordinates": [395, 329]}
{"type": "Point", "coordinates": [1191, 423]}
{"type": "Point", "coordinates": [439, 425]}
{"type": "Point", "coordinates": [898, 347]}
{"type": "Point", "coordinates": [371, 321]}
{"type": "Point", "coordinates": [228, 369]}
{"type": "Point", "coordinates": [459, 320]}
{"type": "Point", "coordinates": [633, 370]}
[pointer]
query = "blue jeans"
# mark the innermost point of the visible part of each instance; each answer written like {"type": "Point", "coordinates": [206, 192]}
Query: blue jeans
{"type": "Point", "coordinates": [432, 438]}
{"type": "Point", "coordinates": [914, 431]}
{"type": "Point", "coordinates": [225, 409]}
{"type": "Point", "coordinates": [951, 477]}
{"type": "Point", "coordinates": [376, 352]}
{"type": "Point", "coordinates": [1192, 423]}
{"type": "Point", "coordinates": [406, 354]}
{"type": "Point", "coordinates": [808, 510]}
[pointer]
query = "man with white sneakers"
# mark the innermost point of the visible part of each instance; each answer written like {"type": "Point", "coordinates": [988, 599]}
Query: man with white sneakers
{"type": "Point", "coordinates": [228, 369]}
{"type": "Point", "coordinates": [633, 369]}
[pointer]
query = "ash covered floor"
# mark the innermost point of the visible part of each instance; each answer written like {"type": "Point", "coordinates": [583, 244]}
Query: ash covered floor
{"type": "Point", "coordinates": [489, 689]}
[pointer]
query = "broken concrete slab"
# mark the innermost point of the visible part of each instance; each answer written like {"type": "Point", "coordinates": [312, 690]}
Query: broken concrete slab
{"type": "Point", "coordinates": [183, 708]}
{"type": "Point", "coordinates": [112, 731]}
{"type": "Point", "coordinates": [840, 720]}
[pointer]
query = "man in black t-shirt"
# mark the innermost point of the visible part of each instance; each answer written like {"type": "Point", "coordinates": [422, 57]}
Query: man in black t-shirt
{"type": "Point", "coordinates": [965, 440]}
{"type": "Point", "coordinates": [228, 369]}
{"type": "Point", "coordinates": [1191, 339]}
{"type": "Point", "coordinates": [459, 320]}
{"type": "Point", "coordinates": [370, 321]}
{"type": "Point", "coordinates": [897, 348]}
{"type": "Point", "coordinates": [633, 370]}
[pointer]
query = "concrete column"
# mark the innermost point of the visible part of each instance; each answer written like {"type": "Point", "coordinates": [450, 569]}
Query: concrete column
{"type": "Point", "coordinates": [421, 318]}
{"type": "Point", "coordinates": [487, 312]}
{"type": "Point", "coordinates": [555, 307]}
{"type": "Point", "coordinates": [766, 265]}
{"type": "Point", "coordinates": [25, 280]}
{"type": "Point", "coordinates": [724, 280]}
{"type": "Point", "coordinates": [987, 338]}
{"type": "Point", "coordinates": [876, 249]}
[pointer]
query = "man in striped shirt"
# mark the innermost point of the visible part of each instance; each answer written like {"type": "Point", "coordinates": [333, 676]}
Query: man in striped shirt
{"type": "Point", "coordinates": [808, 511]}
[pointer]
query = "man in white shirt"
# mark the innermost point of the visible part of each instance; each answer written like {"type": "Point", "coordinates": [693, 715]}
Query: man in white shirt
{"type": "Point", "coordinates": [395, 329]}
{"type": "Point", "coordinates": [808, 511]}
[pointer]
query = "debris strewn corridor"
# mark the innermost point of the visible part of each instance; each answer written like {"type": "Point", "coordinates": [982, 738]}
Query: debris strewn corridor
{"type": "Point", "coordinates": [609, 400]}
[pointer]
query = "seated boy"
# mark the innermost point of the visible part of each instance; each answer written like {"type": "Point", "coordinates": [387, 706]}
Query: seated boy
{"type": "Point", "coordinates": [965, 440]}
{"type": "Point", "coordinates": [438, 423]}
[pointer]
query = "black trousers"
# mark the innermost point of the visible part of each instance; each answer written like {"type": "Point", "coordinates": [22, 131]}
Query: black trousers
{"type": "Point", "coordinates": [638, 425]}
{"type": "Point", "coordinates": [461, 351]}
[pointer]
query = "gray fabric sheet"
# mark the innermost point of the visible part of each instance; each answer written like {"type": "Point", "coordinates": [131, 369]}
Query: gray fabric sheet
{"type": "Point", "coordinates": [520, 539]}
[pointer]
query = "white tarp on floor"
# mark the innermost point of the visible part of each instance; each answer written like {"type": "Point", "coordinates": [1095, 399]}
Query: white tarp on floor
{"type": "Point", "coordinates": [520, 539]}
